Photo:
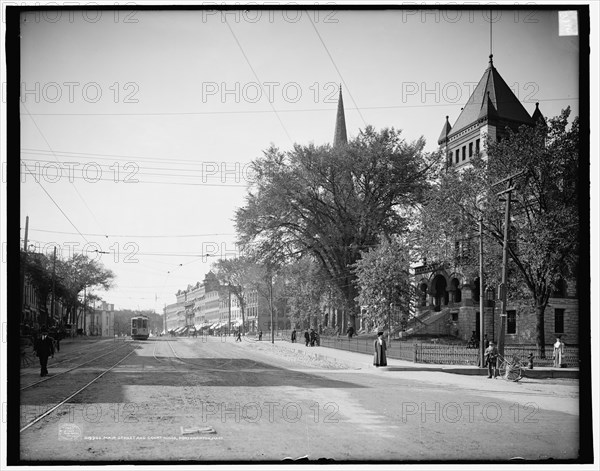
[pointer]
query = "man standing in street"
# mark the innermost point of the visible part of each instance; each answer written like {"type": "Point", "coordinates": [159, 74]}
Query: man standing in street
{"type": "Point", "coordinates": [44, 348]}
{"type": "Point", "coordinates": [491, 359]}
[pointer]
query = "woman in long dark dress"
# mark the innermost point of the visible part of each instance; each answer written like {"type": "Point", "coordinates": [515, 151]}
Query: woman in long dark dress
{"type": "Point", "coordinates": [380, 358]}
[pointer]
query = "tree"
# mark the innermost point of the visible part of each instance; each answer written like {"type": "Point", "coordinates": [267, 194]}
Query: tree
{"type": "Point", "coordinates": [334, 203]}
{"type": "Point", "coordinates": [305, 288]}
{"type": "Point", "coordinates": [384, 282]}
{"type": "Point", "coordinates": [544, 240]}
{"type": "Point", "coordinates": [235, 273]}
{"type": "Point", "coordinates": [75, 275]}
{"type": "Point", "coordinates": [39, 270]}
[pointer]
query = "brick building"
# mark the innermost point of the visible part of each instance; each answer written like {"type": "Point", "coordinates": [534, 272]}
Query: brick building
{"type": "Point", "coordinates": [449, 297]}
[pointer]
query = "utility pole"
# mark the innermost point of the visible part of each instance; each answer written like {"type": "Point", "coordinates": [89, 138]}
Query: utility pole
{"type": "Point", "coordinates": [23, 297]}
{"type": "Point", "coordinates": [229, 323]}
{"type": "Point", "coordinates": [502, 294]}
{"type": "Point", "coordinates": [53, 286]}
{"type": "Point", "coordinates": [84, 309]}
{"type": "Point", "coordinates": [481, 296]}
{"type": "Point", "coordinates": [271, 306]}
{"type": "Point", "coordinates": [390, 324]}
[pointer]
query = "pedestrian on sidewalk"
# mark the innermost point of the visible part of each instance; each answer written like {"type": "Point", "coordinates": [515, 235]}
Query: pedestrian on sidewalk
{"type": "Point", "coordinates": [306, 337]}
{"type": "Point", "coordinates": [294, 336]}
{"type": "Point", "coordinates": [239, 337]}
{"type": "Point", "coordinates": [491, 360]}
{"type": "Point", "coordinates": [380, 358]}
{"type": "Point", "coordinates": [313, 337]}
{"type": "Point", "coordinates": [559, 351]}
{"type": "Point", "coordinates": [44, 347]}
{"type": "Point", "coordinates": [350, 332]}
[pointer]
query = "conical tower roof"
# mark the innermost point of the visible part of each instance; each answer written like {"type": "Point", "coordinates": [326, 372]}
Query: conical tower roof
{"type": "Point", "coordinates": [537, 114]}
{"type": "Point", "coordinates": [492, 98]}
{"type": "Point", "coordinates": [445, 131]}
{"type": "Point", "coordinates": [340, 138]}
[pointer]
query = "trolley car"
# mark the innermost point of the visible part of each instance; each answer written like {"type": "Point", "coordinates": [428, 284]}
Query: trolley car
{"type": "Point", "coordinates": [139, 328]}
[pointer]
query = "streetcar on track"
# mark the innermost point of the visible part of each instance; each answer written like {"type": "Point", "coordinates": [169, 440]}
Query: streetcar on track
{"type": "Point", "coordinates": [139, 328]}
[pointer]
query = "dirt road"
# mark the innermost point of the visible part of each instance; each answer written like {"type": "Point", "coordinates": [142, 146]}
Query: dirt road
{"type": "Point", "coordinates": [206, 399]}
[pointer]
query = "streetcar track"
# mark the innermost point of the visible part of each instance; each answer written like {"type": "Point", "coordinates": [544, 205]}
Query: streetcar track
{"type": "Point", "coordinates": [53, 364]}
{"type": "Point", "coordinates": [70, 369]}
{"type": "Point", "coordinates": [257, 365]}
{"type": "Point", "coordinates": [52, 409]}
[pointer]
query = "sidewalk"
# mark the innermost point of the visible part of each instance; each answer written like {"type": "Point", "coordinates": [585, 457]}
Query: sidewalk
{"type": "Point", "coordinates": [365, 361]}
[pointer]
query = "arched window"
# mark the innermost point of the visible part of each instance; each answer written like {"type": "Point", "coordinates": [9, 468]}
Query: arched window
{"type": "Point", "coordinates": [457, 291]}
{"type": "Point", "coordinates": [475, 290]}
{"type": "Point", "coordinates": [489, 296]}
{"type": "Point", "coordinates": [560, 289]}
{"type": "Point", "coordinates": [423, 294]}
{"type": "Point", "coordinates": [441, 294]}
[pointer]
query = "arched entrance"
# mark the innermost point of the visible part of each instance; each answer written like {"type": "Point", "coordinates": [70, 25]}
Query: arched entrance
{"type": "Point", "coordinates": [455, 283]}
{"type": "Point", "coordinates": [440, 293]}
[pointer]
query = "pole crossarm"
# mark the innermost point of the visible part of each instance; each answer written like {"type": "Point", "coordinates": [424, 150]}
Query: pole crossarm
{"type": "Point", "coordinates": [514, 175]}
{"type": "Point", "coordinates": [506, 191]}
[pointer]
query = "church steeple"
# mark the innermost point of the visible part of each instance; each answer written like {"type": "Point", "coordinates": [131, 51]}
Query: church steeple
{"type": "Point", "coordinates": [340, 138]}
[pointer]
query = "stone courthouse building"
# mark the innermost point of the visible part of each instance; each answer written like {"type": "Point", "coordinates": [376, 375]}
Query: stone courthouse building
{"type": "Point", "coordinates": [449, 299]}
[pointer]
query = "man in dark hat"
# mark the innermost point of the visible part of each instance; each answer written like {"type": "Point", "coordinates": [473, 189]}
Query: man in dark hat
{"type": "Point", "coordinates": [380, 358]}
{"type": "Point", "coordinates": [491, 360]}
{"type": "Point", "coordinates": [44, 347]}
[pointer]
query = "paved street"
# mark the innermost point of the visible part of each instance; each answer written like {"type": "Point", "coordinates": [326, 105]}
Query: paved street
{"type": "Point", "coordinates": [267, 402]}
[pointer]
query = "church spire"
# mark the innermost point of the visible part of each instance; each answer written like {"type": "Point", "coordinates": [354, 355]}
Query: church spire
{"type": "Point", "coordinates": [340, 138]}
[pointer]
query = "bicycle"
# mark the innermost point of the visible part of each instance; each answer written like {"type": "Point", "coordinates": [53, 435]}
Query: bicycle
{"type": "Point", "coordinates": [510, 370]}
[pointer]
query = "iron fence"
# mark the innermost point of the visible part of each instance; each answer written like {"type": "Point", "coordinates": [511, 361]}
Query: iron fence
{"type": "Point", "coordinates": [443, 354]}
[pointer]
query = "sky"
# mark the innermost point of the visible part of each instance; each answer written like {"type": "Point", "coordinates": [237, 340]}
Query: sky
{"type": "Point", "coordinates": [138, 127]}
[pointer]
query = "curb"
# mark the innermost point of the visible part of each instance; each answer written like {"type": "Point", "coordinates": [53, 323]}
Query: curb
{"type": "Point", "coordinates": [568, 373]}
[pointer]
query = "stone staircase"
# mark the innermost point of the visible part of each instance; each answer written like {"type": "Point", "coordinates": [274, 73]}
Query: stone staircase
{"type": "Point", "coordinates": [429, 322]}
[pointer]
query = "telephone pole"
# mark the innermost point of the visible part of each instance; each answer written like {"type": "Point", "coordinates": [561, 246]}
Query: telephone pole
{"type": "Point", "coordinates": [23, 297]}
{"type": "Point", "coordinates": [229, 323]}
{"type": "Point", "coordinates": [481, 296]}
{"type": "Point", "coordinates": [53, 287]}
{"type": "Point", "coordinates": [271, 307]}
{"type": "Point", "coordinates": [502, 294]}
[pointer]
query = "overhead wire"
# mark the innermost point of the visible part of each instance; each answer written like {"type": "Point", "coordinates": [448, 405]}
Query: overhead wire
{"type": "Point", "coordinates": [346, 88]}
{"type": "Point", "coordinates": [257, 79]}
{"type": "Point", "coordinates": [295, 110]}
{"type": "Point", "coordinates": [50, 148]}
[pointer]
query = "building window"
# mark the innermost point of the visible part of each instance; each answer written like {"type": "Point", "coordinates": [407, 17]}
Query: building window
{"type": "Point", "coordinates": [511, 322]}
{"type": "Point", "coordinates": [423, 293]}
{"type": "Point", "coordinates": [457, 155]}
{"type": "Point", "coordinates": [464, 152]}
{"type": "Point", "coordinates": [455, 317]}
{"type": "Point", "coordinates": [477, 147]}
{"type": "Point", "coordinates": [560, 290]}
{"type": "Point", "coordinates": [470, 149]}
{"type": "Point", "coordinates": [559, 321]}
